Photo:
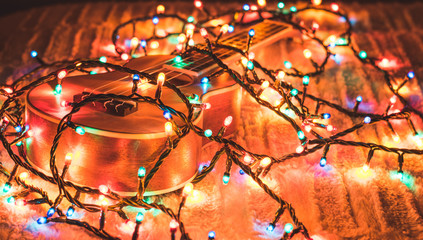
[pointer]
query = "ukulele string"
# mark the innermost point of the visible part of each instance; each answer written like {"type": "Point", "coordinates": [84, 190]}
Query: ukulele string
{"type": "Point", "coordinates": [161, 64]}
{"type": "Point", "coordinates": [221, 49]}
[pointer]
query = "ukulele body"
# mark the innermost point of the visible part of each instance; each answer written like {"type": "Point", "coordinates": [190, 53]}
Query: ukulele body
{"type": "Point", "coordinates": [114, 147]}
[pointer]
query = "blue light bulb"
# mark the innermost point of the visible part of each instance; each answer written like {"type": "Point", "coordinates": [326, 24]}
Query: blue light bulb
{"type": "Point", "coordinates": [241, 172]}
{"type": "Point", "coordinates": [359, 99]}
{"type": "Point", "coordinates": [42, 220]}
{"type": "Point", "coordinates": [167, 115]}
{"type": "Point", "coordinates": [323, 162]}
{"type": "Point", "coordinates": [205, 80]}
{"type": "Point", "coordinates": [326, 115]}
{"type": "Point", "coordinates": [293, 9]}
{"type": "Point", "coordinates": [281, 5]}
{"type": "Point", "coordinates": [136, 77]}
{"type": "Point", "coordinates": [70, 211]}
{"type": "Point", "coordinates": [143, 43]}
{"type": "Point", "coordinates": [367, 119]}
{"type": "Point", "coordinates": [18, 128]}
{"type": "Point", "coordinates": [51, 212]}
{"type": "Point", "coordinates": [410, 75]}
{"type": "Point", "coordinates": [246, 7]}
{"type": "Point", "coordinates": [251, 32]}
{"type": "Point", "coordinates": [270, 228]}
{"type": "Point", "coordinates": [212, 235]}
{"type": "Point", "coordinates": [231, 28]}
{"type": "Point", "coordinates": [34, 54]}
{"type": "Point", "coordinates": [155, 20]}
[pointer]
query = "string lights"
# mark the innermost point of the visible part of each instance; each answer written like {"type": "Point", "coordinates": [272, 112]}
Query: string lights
{"type": "Point", "coordinates": [256, 166]}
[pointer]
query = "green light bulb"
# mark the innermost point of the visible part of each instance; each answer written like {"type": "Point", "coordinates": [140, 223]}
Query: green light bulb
{"type": "Point", "coordinates": [225, 178]}
{"type": "Point", "coordinates": [80, 130]}
{"type": "Point", "coordinates": [362, 54]}
{"type": "Point", "coordinates": [208, 133]}
{"type": "Point", "coordinates": [139, 217]}
{"type": "Point", "coordinates": [141, 172]}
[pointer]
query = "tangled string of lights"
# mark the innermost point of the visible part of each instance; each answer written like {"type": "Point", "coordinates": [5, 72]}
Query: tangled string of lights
{"type": "Point", "coordinates": [253, 164]}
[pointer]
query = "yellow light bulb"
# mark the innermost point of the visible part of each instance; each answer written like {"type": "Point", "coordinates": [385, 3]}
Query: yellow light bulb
{"type": "Point", "coordinates": [307, 53]}
{"type": "Point", "coordinates": [154, 44]}
{"type": "Point", "coordinates": [134, 42]}
{"type": "Point", "coordinates": [365, 167]}
{"type": "Point", "coordinates": [418, 141]}
{"type": "Point", "coordinates": [316, 2]}
{"type": "Point", "coordinates": [396, 138]}
{"type": "Point", "coordinates": [189, 187]}
{"type": "Point", "coordinates": [244, 61]}
{"type": "Point", "coordinates": [182, 38]}
{"type": "Point", "coordinates": [160, 9]}
{"type": "Point", "coordinates": [23, 175]}
{"type": "Point", "coordinates": [281, 75]}
{"type": "Point", "coordinates": [104, 202]}
{"type": "Point", "coordinates": [224, 29]}
{"type": "Point", "coordinates": [190, 32]}
{"type": "Point", "coordinates": [265, 84]}
{"type": "Point", "coordinates": [248, 159]}
{"type": "Point", "coordinates": [277, 102]}
{"type": "Point", "coordinates": [168, 128]}
{"type": "Point", "coordinates": [332, 38]}
{"type": "Point", "coordinates": [261, 3]}
{"type": "Point", "coordinates": [265, 162]}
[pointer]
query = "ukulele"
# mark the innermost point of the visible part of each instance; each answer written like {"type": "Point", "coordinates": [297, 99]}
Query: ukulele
{"type": "Point", "coordinates": [121, 137]}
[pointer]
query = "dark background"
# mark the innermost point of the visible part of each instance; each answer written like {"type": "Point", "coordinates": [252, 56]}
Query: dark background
{"type": "Point", "coordinates": [15, 5]}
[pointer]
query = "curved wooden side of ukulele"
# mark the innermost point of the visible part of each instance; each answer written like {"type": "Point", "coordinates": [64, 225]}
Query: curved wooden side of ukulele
{"type": "Point", "coordinates": [114, 147]}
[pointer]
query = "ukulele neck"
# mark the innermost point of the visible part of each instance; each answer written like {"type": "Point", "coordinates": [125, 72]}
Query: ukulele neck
{"type": "Point", "coordinates": [266, 33]}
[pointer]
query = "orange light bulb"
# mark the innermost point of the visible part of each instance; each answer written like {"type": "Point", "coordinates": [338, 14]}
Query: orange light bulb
{"type": "Point", "coordinates": [68, 159]}
{"type": "Point", "coordinates": [161, 78]}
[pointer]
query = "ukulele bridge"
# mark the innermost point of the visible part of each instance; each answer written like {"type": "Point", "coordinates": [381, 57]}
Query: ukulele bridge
{"type": "Point", "coordinates": [113, 107]}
